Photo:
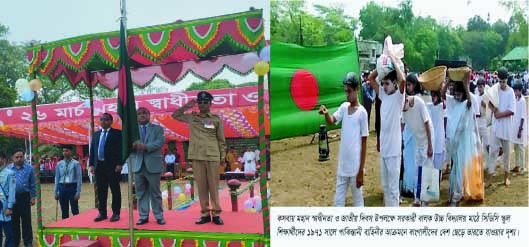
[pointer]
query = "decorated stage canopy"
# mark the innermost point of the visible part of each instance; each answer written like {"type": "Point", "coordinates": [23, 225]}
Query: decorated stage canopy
{"type": "Point", "coordinates": [203, 39]}
{"type": "Point", "coordinates": [303, 79]}
{"type": "Point", "coordinates": [69, 123]}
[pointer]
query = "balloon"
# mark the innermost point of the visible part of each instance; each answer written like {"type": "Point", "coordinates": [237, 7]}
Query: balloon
{"type": "Point", "coordinates": [261, 68]}
{"type": "Point", "coordinates": [182, 197]}
{"type": "Point", "coordinates": [21, 84]}
{"type": "Point", "coordinates": [248, 204]}
{"type": "Point", "coordinates": [27, 95]}
{"type": "Point", "coordinates": [250, 58]}
{"type": "Point", "coordinates": [164, 194]}
{"type": "Point", "coordinates": [265, 54]}
{"type": "Point", "coordinates": [258, 206]}
{"type": "Point", "coordinates": [177, 189]}
{"type": "Point", "coordinates": [35, 84]}
{"type": "Point", "coordinates": [188, 191]}
{"type": "Point", "coordinates": [188, 186]}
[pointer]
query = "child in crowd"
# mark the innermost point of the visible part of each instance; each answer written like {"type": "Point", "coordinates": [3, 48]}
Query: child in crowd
{"type": "Point", "coordinates": [417, 120]}
{"type": "Point", "coordinates": [352, 153]}
{"type": "Point", "coordinates": [461, 133]}
{"type": "Point", "coordinates": [520, 121]}
{"type": "Point", "coordinates": [503, 125]}
{"type": "Point", "coordinates": [392, 96]}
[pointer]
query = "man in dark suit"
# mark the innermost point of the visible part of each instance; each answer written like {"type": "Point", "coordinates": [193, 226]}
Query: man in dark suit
{"type": "Point", "coordinates": [106, 163]}
{"type": "Point", "coordinates": [147, 165]}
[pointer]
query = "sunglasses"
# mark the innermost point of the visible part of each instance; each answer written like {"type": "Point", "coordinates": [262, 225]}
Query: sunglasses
{"type": "Point", "coordinates": [203, 102]}
{"type": "Point", "coordinates": [104, 119]}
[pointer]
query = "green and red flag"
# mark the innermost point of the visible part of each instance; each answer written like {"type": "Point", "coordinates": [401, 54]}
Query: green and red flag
{"type": "Point", "coordinates": [302, 79]}
{"type": "Point", "coordinates": [126, 102]}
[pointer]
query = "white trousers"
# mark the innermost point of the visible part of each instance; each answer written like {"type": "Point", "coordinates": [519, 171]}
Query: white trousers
{"type": "Point", "coordinates": [389, 175]}
{"type": "Point", "coordinates": [519, 155]}
{"type": "Point", "coordinates": [342, 183]}
{"type": "Point", "coordinates": [495, 145]}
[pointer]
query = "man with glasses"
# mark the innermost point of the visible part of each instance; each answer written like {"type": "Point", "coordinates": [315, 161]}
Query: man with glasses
{"type": "Point", "coordinates": [503, 126]}
{"type": "Point", "coordinates": [206, 149]}
{"type": "Point", "coordinates": [147, 165]}
{"type": "Point", "coordinates": [106, 163]}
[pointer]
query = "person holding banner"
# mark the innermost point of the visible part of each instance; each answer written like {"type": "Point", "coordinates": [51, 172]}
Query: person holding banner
{"type": "Point", "coordinates": [207, 148]}
{"type": "Point", "coordinates": [352, 153]}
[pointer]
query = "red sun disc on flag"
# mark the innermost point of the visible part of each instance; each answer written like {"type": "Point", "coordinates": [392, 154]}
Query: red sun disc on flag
{"type": "Point", "coordinates": [304, 89]}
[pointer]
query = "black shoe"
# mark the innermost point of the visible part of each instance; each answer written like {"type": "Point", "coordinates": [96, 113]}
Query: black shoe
{"type": "Point", "coordinates": [142, 221]}
{"type": "Point", "coordinates": [114, 218]}
{"type": "Point", "coordinates": [217, 220]}
{"type": "Point", "coordinates": [203, 220]}
{"type": "Point", "coordinates": [100, 218]}
{"type": "Point", "coordinates": [160, 221]}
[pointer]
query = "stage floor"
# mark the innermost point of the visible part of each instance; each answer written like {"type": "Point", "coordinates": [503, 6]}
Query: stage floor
{"type": "Point", "coordinates": [240, 222]}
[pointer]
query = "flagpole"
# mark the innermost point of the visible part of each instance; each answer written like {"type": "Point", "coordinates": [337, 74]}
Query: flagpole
{"type": "Point", "coordinates": [129, 166]}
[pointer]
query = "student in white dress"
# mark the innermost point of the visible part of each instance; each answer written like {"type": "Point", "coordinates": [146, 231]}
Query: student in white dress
{"type": "Point", "coordinates": [417, 118]}
{"type": "Point", "coordinates": [352, 153]}
{"type": "Point", "coordinates": [503, 125]}
{"type": "Point", "coordinates": [392, 96]}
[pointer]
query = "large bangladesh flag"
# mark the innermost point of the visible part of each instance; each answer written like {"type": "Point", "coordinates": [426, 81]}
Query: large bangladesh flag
{"type": "Point", "coordinates": [303, 78]}
{"type": "Point", "coordinates": [126, 103]}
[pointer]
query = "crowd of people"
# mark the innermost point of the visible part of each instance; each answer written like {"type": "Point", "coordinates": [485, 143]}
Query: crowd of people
{"type": "Point", "coordinates": [461, 130]}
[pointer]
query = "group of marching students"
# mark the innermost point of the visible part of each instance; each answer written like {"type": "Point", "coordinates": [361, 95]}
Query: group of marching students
{"type": "Point", "coordinates": [460, 133]}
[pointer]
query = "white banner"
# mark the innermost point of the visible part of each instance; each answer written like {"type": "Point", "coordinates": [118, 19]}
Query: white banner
{"type": "Point", "coordinates": [295, 226]}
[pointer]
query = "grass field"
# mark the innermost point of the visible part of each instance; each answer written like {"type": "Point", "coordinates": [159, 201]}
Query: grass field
{"type": "Point", "coordinates": [299, 179]}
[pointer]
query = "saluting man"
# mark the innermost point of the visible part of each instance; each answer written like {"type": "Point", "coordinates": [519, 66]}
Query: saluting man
{"type": "Point", "coordinates": [206, 150]}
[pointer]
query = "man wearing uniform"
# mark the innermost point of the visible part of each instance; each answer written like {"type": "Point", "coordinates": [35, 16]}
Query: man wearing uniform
{"type": "Point", "coordinates": [7, 201]}
{"type": "Point", "coordinates": [206, 150]}
{"type": "Point", "coordinates": [68, 178]}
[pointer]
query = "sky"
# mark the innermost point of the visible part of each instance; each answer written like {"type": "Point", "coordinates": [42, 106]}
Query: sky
{"type": "Point", "coordinates": [52, 20]}
{"type": "Point", "coordinates": [454, 12]}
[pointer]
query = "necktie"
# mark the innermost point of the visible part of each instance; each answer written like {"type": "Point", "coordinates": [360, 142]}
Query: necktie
{"type": "Point", "coordinates": [143, 133]}
{"type": "Point", "coordinates": [102, 146]}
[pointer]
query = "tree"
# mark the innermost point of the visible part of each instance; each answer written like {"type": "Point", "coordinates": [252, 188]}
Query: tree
{"type": "Point", "coordinates": [481, 47]}
{"type": "Point", "coordinates": [476, 23]}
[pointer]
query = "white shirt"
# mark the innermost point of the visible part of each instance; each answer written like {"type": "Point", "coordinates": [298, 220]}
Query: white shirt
{"type": "Point", "coordinates": [475, 104]}
{"type": "Point", "coordinates": [521, 113]}
{"type": "Point", "coordinates": [257, 152]}
{"type": "Point", "coordinates": [169, 158]}
{"type": "Point", "coordinates": [484, 114]}
{"type": "Point", "coordinates": [125, 168]}
{"type": "Point", "coordinates": [249, 161]}
{"type": "Point", "coordinates": [436, 115]}
{"type": "Point", "coordinates": [354, 127]}
{"type": "Point", "coordinates": [390, 114]}
{"type": "Point", "coordinates": [415, 118]}
{"type": "Point", "coordinates": [504, 126]}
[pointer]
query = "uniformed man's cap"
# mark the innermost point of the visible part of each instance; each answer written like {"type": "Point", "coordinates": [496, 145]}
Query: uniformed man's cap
{"type": "Point", "coordinates": [203, 95]}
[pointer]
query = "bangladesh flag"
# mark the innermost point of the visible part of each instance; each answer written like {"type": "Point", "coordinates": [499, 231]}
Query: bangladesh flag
{"type": "Point", "coordinates": [302, 79]}
{"type": "Point", "coordinates": [126, 103]}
